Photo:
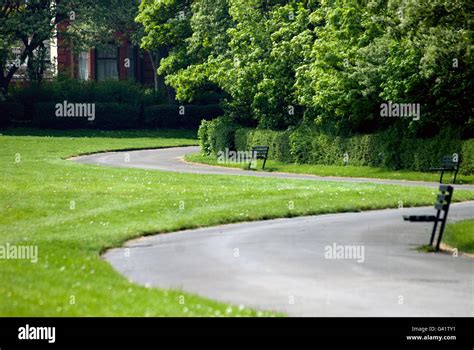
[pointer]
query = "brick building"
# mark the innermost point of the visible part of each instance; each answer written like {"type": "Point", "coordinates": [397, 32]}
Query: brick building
{"type": "Point", "coordinates": [125, 62]}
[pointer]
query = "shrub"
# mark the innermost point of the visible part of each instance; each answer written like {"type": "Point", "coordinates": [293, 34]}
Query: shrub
{"type": "Point", "coordinates": [467, 157]}
{"type": "Point", "coordinates": [193, 114]}
{"type": "Point", "coordinates": [174, 116]}
{"type": "Point", "coordinates": [203, 136]}
{"type": "Point", "coordinates": [300, 143]}
{"type": "Point", "coordinates": [278, 141]}
{"type": "Point", "coordinates": [116, 116]}
{"type": "Point", "coordinates": [216, 135]}
{"type": "Point", "coordinates": [29, 96]}
{"type": "Point", "coordinates": [71, 90]}
{"type": "Point", "coordinates": [45, 117]}
{"type": "Point", "coordinates": [162, 116]}
{"type": "Point", "coordinates": [107, 116]}
{"type": "Point", "coordinates": [10, 111]}
{"type": "Point", "coordinates": [391, 148]}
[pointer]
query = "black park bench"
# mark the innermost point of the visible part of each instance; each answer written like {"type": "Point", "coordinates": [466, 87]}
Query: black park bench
{"type": "Point", "coordinates": [259, 152]}
{"type": "Point", "coordinates": [443, 200]}
{"type": "Point", "coordinates": [448, 163]}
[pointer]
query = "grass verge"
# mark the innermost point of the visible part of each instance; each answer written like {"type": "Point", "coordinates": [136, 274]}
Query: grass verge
{"type": "Point", "coordinates": [460, 235]}
{"type": "Point", "coordinates": [73, 212]}
{"type": "Point", "coordinates": [339, 171]}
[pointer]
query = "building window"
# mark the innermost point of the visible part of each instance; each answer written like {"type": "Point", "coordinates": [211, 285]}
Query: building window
{"type": "Point", "coordinates": [107, 60]}
{"type": "Point", "coordinates": [84, 66]}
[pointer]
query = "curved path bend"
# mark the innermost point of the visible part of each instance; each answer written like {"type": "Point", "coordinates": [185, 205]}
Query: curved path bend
{"type": "Point", "coordinates": [172, 159]}
{"type": "Point", "coordinates": [284, 264]}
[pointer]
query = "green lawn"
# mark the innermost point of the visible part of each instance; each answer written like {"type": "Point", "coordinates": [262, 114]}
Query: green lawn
{"type": "Point", "coordinates": [336, 170]}
{"type": "Point", "coordinates": [73, 212]}
{"type": "Point", "coordinates": [460, 235]}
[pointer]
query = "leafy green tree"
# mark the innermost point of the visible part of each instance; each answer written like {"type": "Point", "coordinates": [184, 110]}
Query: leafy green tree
{"type": "Point", "coordinates": [25, 26]}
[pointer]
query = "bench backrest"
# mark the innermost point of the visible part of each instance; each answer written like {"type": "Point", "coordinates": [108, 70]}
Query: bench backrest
{"type": "Point", "coordinates": [260, 152]}
{"type": "Point", "coordinates": [443, 200]}
{"type": "Point", "coordinates": [449, 162]}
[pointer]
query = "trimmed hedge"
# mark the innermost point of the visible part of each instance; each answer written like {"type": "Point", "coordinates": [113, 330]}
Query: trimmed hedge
{"type": "Point", "coordinates": [278, 141]}
{"type": "Point", "coordinates": [467, 154]}
{"type": "Point", "coordinates": [216, 135]}
{"type": "Point", "coordinates": [174, 116]}
{"type": "Point", "coordinates": [107, 116]}
{"type": "Point", "coordinates": [389, 149]}
{"type": "Point", "coordinates": [10, 111]}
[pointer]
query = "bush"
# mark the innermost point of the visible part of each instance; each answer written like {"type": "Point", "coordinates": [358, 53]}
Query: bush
{"type": "Point", "coordinates": [116, 116]}
{"type": "Point", "coordinates": [162, 116]}
{"type": "Point", "coordinates": [10, 111]}
{"type": "Point", "coordinates": [71, 90]}
{"type": "Point", "coordinates": [45, 117]}
{"type": "Point", "coordinates": [467, 157]}
{"type": "Point", "coordinates": [29, 96]}
{"type": "Point", "coordinates": [216, 135]}
{"type": "Point", "coordinates": [389, 149]}
{"type": "Point", "coordinates": [107, 116]}
{"type": "Point", "coordinates": [174, 116]}
{"type": "Point", "coordinates": [193, 114]}
{"type": "Point", "coordinates": [203, 136]}
{"type": "Point", "coordinates": [278, 141]}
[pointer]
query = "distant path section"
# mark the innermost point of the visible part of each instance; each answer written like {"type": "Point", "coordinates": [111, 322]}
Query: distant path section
{"type": "Point", "coordinates": [172, 159]}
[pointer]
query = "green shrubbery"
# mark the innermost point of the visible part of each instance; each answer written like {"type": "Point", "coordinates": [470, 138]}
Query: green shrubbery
{"type": "Point", "coordinates": [107, 116]}
{"type": "Point", "coordinates": [305, 144]}
{"type": "Point", "coordinates": [10, 111]}
{"type": "Point", "coordinates": [217, 135]}
{"type": "Point", "coordinates": [278, 141]}
{"type": "Point", "coordinates": [467, 165]}
{"type": "Point", "coordinates": [119, 105]}
{"type": "Point", "coordinates": [174, 116]}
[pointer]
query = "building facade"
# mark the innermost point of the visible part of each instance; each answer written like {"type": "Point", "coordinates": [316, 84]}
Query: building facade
{"type": "Point", "coordinates": [125, 62]}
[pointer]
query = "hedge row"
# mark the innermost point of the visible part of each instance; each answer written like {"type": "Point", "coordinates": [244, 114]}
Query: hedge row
{"type": "Point", "coordinates": [119, 104]}
{"type": "Point", "coordinates": [114, 116]}
{"type": "Point", "coordinates": [389, 149]}
{"type": "Point", "coordinates": [186, 116]}
{"type": "Point", "coordinates": [9, 111]}
{"type": "Point", "coordinates": [107, 116]}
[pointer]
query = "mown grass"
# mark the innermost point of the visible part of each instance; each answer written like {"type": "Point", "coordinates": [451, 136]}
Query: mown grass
{"type": "Point", "coordinates": [460, 235]}
{"type": "Point", "coordinates": [73, 212]}
{"type": "Point", "coordinates": [335, 170]}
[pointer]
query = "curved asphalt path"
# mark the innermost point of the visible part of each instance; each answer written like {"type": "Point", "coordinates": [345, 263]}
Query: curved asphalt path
{"type": "Point", "coordinates": [171, 159]}
{"type": "Point", "coordinates": [282, 265]}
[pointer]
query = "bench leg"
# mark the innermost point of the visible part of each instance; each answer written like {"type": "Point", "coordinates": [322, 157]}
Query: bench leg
{"type": "Point", "coordinates": [264, 161]}
{"type": "Point", "coordinates": [441, 230]}
{"type": "Point", "coordinates": [455, 175]}
{"type": "Point", "coordinates": [441, 177]}
{"type": "Point", "coordinates": [435, 226]}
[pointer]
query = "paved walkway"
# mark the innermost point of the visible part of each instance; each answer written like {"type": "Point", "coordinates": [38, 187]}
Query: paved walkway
{"type": "Point", "coordinates": [285, 265]}
{"type": "Point", "coordinates": [171, 159]}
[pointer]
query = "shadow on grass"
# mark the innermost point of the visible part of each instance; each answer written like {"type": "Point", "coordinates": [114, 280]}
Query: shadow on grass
{"type": "Point", "coordinates": [116, 134]}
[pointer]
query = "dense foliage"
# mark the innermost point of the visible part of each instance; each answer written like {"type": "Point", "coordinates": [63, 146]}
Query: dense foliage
{"type": "Point", "coordinates": [331, 62]}
{"type": "Point", "coordinates": [390, 148]}
{"type": "Point", "coordinates": [118, 105]}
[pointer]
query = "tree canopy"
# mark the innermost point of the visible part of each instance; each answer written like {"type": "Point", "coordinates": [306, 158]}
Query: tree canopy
{"type": "Point", "coordinates": [332, 62]}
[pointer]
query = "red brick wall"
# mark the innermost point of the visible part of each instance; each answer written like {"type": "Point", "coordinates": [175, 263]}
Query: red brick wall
{"type": "Point", "coordinates": [65, 57]}
{"type": "Point", "coordinates": [67, 62]}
